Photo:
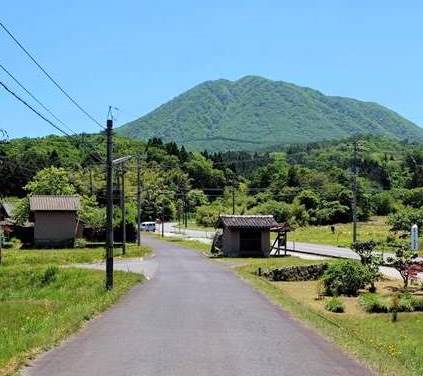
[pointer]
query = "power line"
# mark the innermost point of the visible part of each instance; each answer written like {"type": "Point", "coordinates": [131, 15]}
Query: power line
{"type": "Point", "coordinates": [33, 109]}
{"type": "Point", "coordinates": [49, 76]}
{"type": "Point", "coordinates": [44, 118]}
{"type": "Point", "coordinates": [35, 98]}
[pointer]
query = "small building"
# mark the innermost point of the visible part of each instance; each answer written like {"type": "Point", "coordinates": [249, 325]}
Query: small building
{"type": "Point", "coordinates": [56, 220]}
{"type": "Point", "coordinates": [246, 235]}
{"type": "Point", "coordinates": [6, 211]}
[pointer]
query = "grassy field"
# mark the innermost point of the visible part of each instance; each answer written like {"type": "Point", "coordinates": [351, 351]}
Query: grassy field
{"type": "Point", "coordinates": [42, 303]}
{"type": "Point", "coordinates": [389, 348]}
{"type": "Point", "coordinates": [66, 256]}
{"type": "Point", "coordinates": [375, 229]}
{"type": "Point", "coordinates": [192, 225]}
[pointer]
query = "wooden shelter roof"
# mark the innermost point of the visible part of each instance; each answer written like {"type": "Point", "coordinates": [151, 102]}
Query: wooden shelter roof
{"type": "Point", "coordinates": [261, 222]}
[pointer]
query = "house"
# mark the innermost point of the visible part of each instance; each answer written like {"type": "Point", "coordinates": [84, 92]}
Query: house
{"type": "Point", "coordinates": [6, 210]}
{"type": "Point", "coordinates": [6, 217]}
{"type": "Point", "coordinates": [56, 220]}
{"type": "Point", "coordinates": [246, 235]}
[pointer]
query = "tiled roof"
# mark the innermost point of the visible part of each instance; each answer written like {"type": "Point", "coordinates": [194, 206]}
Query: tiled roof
{"type": "Point", "coordinates": [54, 203]}
{"type": "Point", "coordinates": [247, 221]}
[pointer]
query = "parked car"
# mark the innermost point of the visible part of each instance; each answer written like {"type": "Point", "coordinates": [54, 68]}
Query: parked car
{"type": "Point", "coordinates": [148, 226]}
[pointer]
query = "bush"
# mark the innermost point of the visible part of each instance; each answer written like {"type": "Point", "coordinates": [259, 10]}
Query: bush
{"type": "Point", "coordinates": [407, 302]}
{"type": "Point", "coordinates": [49, 275]}
{"type": "Point", "coordinates": [373, 303]}
{"type": "Point", "coordinates": [296, 273]}
{"type": "Point", "coordinates": [335, 305]}
{"type": "Point", "coordinates": [345, 277]}
{"type": "Point", "coordinates": [80, 243]}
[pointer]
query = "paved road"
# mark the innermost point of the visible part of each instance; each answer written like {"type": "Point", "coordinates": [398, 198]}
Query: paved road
{"type": "Point", "coordinates": [194, 318]}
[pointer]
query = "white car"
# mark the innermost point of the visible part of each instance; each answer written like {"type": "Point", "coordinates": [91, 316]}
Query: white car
{"type": "Point", "coordinates": [148, 226]}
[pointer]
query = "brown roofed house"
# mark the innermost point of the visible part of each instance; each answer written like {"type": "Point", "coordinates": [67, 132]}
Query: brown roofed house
{"type": "Point", "coordinates": [56, 220]}
{"type": "Point", "coordinates": [246, 235]}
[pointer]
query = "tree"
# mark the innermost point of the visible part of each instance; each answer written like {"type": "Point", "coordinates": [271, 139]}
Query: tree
{"type": "Point", "coordinates": [405, 262]}
{"type": "Point", "coordinates": [370, 259]}
{"type": "Point", "coordinates": [196, 197]}
{"type": "Point", "coordinates": [309, 199]}
{"type": "Point", "coordinates": [51, 181]}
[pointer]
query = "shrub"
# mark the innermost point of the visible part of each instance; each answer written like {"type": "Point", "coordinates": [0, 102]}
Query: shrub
{"type": "Point", "coordinates": [296, 273]}
{"type": "Point", "coordinates": [345, 277]}
{"type": "Point", "coordinates": [80, 243]}
{"type": "Point", "coordinates": [407, 302]}
{"type": "Point", "coordinates": [373, 303]}
{"type": "Point", "coordinates": [335, 305]}
{"type": "Point", "coordinates": [49, 275]}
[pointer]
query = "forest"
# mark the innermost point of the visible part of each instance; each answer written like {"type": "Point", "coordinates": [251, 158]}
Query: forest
{"type": "Point", "coordinates": [303, 184]}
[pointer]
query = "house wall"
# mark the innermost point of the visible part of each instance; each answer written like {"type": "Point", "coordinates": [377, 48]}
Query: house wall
{"type": "Point", "coordinates": [54, 228]}
{"type": "Point", "coordinates": [265, 243]}
{"type": "Point", "coordinates": [231, 243]}
{"type": "Point", "coordinates": [230, 240]}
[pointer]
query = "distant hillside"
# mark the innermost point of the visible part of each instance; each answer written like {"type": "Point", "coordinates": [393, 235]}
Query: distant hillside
{"type": "Point", "coordinates": [254, 113]}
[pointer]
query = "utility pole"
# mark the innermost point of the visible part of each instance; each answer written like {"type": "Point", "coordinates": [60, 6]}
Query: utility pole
{"type": "Point", "coordinates": [109, 208]}
{"type": "Point", "coordinates": [162, 220]}
{"type": "Point", "coordinates": [138, 200]}
{"type": "Point", "coordinates": [123, 208]}
{"type": "Point", "coordinates": [233, 198]}
{"type": "Point", "coordinates": [354, 190]}
{"type": "Point", "coordinates": [91, 181]}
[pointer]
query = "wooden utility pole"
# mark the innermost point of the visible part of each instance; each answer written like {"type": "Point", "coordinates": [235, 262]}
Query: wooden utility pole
{"type": "Point", "coordinates": [138, 200]}
{"type": "Point", "coordinates": [233, 198]}
{"type": "Point", "coordinates": [162, 220]}
{"type": "Point", "coordinates": [109, 208]}
{"type": "Point", "coordinates": [123, 208]}
{"type": "Point", "coordinates": [91, 181]}
{"type": "Point", "coordinates": [354, 190]}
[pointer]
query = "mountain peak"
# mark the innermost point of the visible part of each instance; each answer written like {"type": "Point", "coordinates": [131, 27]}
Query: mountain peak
{"type": "Point", "coordinates": [253, 112]}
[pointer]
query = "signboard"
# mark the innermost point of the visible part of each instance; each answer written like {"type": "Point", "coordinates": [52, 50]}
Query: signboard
{"type": "Point", "coordinates": [414, 238]}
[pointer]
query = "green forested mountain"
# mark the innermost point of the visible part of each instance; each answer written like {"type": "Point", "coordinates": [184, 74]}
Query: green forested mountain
{"type": "Point", "coordinates": [254, 113]}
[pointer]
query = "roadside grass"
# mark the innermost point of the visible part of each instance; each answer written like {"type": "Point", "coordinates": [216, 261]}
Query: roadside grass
{"type": "Point", "coordinates": [375, 229]}
{"type": "Point", "coordinates": [66, 256]}
{"type": "Point", "coordinates": [41, 303]}
{"type": "Point", "coordinates": [191, 244]}
{"type": "Point", "coordinates": [192, 225]}
{"type": "Point", "coordinates": [388, 348]}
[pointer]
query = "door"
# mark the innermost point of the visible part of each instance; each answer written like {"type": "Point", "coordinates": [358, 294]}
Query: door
{"type": "Point", "coordinates": [250, 243]}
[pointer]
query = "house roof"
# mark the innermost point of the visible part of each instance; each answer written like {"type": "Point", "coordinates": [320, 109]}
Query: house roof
{"type": "Point", "coordinates": [8, 208]}
{"type": "Point", "coordinates": [247, 221]}
{"type": "Point", "coordinates": [54, 203]}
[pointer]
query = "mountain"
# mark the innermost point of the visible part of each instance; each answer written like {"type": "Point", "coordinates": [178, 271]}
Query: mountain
{"type": "Point", "coordinates": [254, 113]}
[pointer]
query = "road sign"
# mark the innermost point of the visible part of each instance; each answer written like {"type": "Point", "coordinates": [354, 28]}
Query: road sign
{"type": "Point", "coordinates": [414, 237]}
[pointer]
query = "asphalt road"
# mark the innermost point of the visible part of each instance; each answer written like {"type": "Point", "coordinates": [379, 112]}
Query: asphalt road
{"type": "Point", "coordinates": [194, 318]}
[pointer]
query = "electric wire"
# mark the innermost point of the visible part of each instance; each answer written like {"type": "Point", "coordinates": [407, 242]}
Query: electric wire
{"type": "Point", "coordinates": [34, 97]}
{"type": "Point", "coordinates": [70, 136]}
{"type": "Point", "coordinates": [49, 76]}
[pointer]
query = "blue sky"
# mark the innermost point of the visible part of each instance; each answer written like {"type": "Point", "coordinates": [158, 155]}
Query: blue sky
{"type": "Point", "coordinates": [136, 55]}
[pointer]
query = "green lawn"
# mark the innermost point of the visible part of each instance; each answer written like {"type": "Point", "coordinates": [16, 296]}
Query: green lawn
{"type": "Point", "coordinates": [375, 229]}
{"type": "Point", "coordinates": [36, 312]}
{"type": "Point", "coordinates": [66, 256]}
